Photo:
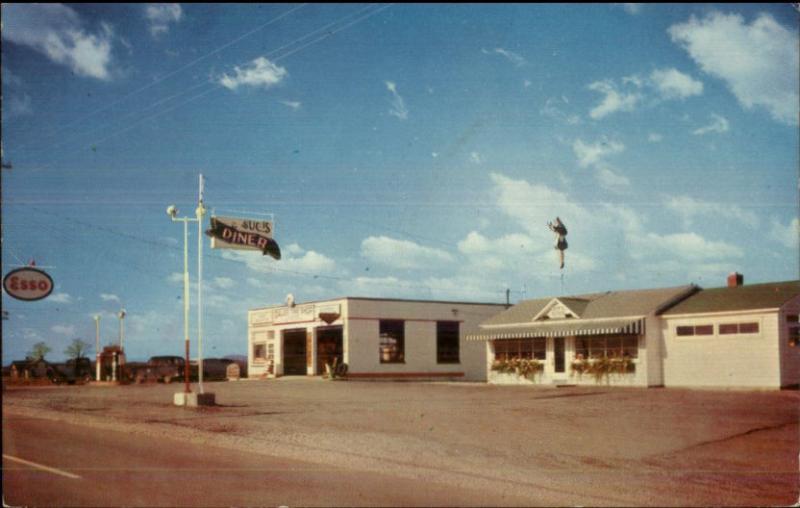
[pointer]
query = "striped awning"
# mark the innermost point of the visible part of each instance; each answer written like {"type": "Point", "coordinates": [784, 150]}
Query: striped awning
{"type": "Point", "coordinates": [629, 326]}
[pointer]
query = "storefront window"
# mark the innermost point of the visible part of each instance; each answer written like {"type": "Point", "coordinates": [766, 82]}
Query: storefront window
{"type": "Point", "coordinates": [615, 346]}
{"type": "Point", "coordinates": [392, 341]}
{"type": "Point", "coordinates": [520, 348]}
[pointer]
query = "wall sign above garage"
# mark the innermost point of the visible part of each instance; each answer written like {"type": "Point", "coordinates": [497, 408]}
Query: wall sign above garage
{"type": "Point", "coordinates": [243, 234]}
{"type": "Point", "coordinates": [28, 283]}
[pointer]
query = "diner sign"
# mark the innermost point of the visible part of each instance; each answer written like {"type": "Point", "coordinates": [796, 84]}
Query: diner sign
{"type": "Point", "coordinates": [243, 234]}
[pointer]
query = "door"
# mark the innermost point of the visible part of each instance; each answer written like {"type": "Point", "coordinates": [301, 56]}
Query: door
{"type": "Point", "coordinates": [329, 347]}
{"type": "Point", "coordinates": [294, 353]}
{"type": "Point", "coordinates": [558, 355]}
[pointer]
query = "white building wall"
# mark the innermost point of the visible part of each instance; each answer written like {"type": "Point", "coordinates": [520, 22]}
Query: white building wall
{"type": "Point", "coordinates": [741, 360]}
{"type": "Point", "coordinates": [268, 324]}
{"type": "Point", "coordinates": [363, 336]}
{"type": "Point", "coordinates": [651, 350]}
{"type": "Point", "coordinates": [360, 321]}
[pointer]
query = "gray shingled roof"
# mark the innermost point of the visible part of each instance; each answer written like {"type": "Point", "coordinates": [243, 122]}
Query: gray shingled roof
{"type": "Point", "coordinates": [754, 296]}
{"type": "Point", "coordinates": [611, 304]}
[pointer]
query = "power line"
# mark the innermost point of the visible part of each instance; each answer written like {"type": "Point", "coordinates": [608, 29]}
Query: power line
{"type": "Point", "coordinates": [172, 73]}
{"type": "Point", "coordinates": [214, 87]}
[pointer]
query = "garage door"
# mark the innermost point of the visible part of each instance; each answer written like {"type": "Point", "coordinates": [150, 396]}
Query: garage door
{"type": "Point", "coordinates": [294, 353]}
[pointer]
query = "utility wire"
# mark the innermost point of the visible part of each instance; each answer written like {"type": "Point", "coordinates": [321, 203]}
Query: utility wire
{"type": "Point", "coordinates": [172, 73]}
{"type": "Point", "coordinates": [214, 86]}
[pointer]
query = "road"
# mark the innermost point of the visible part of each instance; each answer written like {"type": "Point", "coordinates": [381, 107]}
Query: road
{"type": "Point", "coordinates": [86, 467]}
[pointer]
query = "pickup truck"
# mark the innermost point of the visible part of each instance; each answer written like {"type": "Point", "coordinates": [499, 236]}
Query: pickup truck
{"type": "Point", "coordinates": [158, 368]}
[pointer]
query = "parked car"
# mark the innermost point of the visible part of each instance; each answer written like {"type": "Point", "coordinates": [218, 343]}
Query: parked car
{"type": "Point", "coordinates": [158, 368]}
{"type": "Point", "coordinates": [75, 370]}
{"type": "Point", "coordinates": [215, 369]}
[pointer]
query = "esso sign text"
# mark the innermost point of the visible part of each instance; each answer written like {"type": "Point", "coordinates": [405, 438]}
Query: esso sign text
{"type": "Point", "coordinates": [27, 284]}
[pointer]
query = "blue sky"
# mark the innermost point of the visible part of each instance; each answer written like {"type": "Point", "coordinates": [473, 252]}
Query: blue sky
{"type": "Point", "coordinates": [406, 151]}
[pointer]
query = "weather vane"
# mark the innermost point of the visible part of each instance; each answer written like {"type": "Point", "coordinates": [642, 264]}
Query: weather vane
{"type": "Point", "coordinates": [560, 230]}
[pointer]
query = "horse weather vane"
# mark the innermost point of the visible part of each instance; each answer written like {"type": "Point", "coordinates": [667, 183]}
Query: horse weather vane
{"type": "Point", "coordinates": [560, 230]}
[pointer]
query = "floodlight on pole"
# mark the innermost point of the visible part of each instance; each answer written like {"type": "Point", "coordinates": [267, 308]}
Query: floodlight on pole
{"type": "Point", "coordinates": [97, 346]}
{"type": "Point", "coordinates": [199, 212]}
{"type": "Point", "coordinates": [121, 316]}
{"type": "Point", "coordinates": [172, 211]}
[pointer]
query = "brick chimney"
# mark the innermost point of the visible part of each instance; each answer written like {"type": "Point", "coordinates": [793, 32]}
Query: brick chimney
{"type": "Point", "coordinates": [735, 279]}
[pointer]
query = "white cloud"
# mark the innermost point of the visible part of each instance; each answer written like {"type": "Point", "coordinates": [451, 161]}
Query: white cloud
{"type": "Point", "coordinates": [613, 101]}
{"type": "Point", "coordinates": [512, 57]}
{"type": "Point", "coordinates": [606, 236]}
{"type": "Point", "coordinates": [57, 32]}
{"type": "Point", "coordinates": [689, 209]}
{"type": "Point", "coordinates": [16, 105]}
{"type": "Point", "coordinates": [718, 125]}
{"type": "Point", "coordinates": [60, 298]}
{"type": "Point", "coordinates": [673, 84]}
{"type": "Point", "coordinates": [788, 235]}
{"type": "Point", "coordinates": [533, 205]}
{"type": "Point", "coordinates": [224, 282]}
{"type": "Point", "coordinates": [689, 247]}
{"type": "Point", "coordinates": [552, 110]}
{"type": "Point", "coordinates": [758, 61]}
{"type": "Point", "coordinates": [107, 297]}
{"type": "Point", "coordinates": [258, 73]}
{"type": "Point", "coordinates": [294, 249]}
{"type": "Point", "coordinates": [161, 15]}
{"type": "Point", "coordinates": [662, 84]}
{"type": "Point", "coordinates": [632, 8]}
{"type": "Point", "coordinates": [655, 137]}
{"type": "Point", "coordinates": [402, 254]}
{"type": "Point", "coordinates": [175, 277]}
{"type": "Point", "coordinates": [310, 262]}
{"type": "Point", "coordinates": [295, 105]}
{"type": "Point", "coordinates": [612, 180]}
{"type": "Point", "coordinates": [475, 158]}
{"type": "Point", "coordinates": [63, 329]}
{"type": "Point", "coordinates": [399, 108]}
{"type": "Point", "coordinates": [296, 260]}
{"type": "Point", "coordinates": [589, 154]}
{"type": "Point", "coordinates": [256, 283]}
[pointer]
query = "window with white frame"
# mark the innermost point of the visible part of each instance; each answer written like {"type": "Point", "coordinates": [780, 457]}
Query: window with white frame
{"type": "Point", "coordinates": [527, 349]}
{"type": "Point", "coordinates": [691, 330]}
{"type": "Point", "coordinates": [738, 328]}
{"type": "Point", "coordinates": [613, 346]}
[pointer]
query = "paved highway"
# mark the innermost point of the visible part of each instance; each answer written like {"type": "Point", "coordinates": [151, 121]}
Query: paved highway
{"type": "Point", "coordinates": [46, 463]}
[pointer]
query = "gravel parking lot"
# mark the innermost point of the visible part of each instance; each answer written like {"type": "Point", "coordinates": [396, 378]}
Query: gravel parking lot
{"type": "Point", "coordinates": [552, 446]}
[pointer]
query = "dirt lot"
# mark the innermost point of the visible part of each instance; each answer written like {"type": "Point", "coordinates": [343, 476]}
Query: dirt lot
{"type": "Point", "coordinates": [566, 446]}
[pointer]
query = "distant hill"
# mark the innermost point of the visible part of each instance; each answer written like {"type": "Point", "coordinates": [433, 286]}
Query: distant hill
{"type": "Point", "coordinates": [236, 358]}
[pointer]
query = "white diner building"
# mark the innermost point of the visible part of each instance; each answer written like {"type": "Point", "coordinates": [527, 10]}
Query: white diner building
{"type": "Point", "coordinates": [739, 336]}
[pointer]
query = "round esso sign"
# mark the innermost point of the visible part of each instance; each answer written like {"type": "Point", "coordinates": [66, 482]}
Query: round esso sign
{"type": "Point", "coordinates": [28, 284]}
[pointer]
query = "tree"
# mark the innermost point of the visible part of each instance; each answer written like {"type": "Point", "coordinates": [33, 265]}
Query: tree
{"type": "Point", "coordinates": [40, 349]}
{"type": "Point", "coordinates": [77, 349]}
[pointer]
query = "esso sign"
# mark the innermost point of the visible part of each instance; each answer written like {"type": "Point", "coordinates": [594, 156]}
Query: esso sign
{"type": "Point", "coordinates": [28, 284]}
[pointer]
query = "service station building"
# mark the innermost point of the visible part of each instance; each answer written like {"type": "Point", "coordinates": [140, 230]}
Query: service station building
{"type": "Point", "coordinates": [376, 338]}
